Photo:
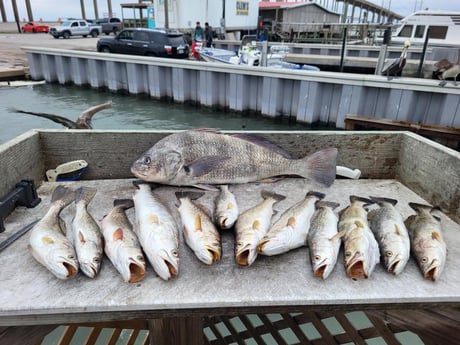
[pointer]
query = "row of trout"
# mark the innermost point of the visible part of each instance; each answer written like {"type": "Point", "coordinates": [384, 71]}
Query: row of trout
{"type": "Point", "coordinates": [366, 236]}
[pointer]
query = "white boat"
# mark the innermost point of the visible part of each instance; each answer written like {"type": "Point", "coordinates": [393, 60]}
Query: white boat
{"type": "Point", "coordinates": [250, 54]}
{"type": "Point", "coordinates": [444, 29]}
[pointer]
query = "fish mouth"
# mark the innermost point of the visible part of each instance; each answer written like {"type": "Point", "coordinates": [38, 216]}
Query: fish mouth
{"type": "Point", "coordinates": [260, 246]}
{"type": "Point", "coordinates": [224, 223]}
{"type": "Point", "coordinates": [136, 272]}
{"type": "Point", "coordinates": [214, 255]}
{"type": "Point", "coordinates": [246, 256]}
{"type": "Point", "coordinates": [432, 272]}
{"type": "Point", "coordinates": [71, 269]}
{"type": "Point", "coordinates": [393, 267]}
{"type": "Point", "coordinates": [321, 270]}
{"type": "Point", "coordinates": [89, 270]}
{"type": "Point", "coordinates": [356, 267]}
{"type": "Point", "coordinates": [173, 269]}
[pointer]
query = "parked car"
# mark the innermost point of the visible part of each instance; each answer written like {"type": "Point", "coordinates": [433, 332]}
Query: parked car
{"type": "Point", "coordinates": [110, 25]}
{"type": "Point", "coordinates": [150, 42]}
{"type": "Point", "coordinates": [77, 27]}
{"type": "Point", "coordinates": [34, 27]}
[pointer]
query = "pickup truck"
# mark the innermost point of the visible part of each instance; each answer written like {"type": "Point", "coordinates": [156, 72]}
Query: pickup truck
{"type": "Point", "coordinates": [110, 25]}
{"type": "Point", "coordinates": [75, 28]}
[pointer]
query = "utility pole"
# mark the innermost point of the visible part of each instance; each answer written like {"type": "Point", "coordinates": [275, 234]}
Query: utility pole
{"type": "Point", "coordinates": [82, 6]}
{"type": "Point", "coordinates": [16, 14]}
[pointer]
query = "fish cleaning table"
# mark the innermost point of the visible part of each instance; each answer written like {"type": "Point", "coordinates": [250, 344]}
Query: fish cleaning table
{"type": "Point", "coordinates": [30, 295]}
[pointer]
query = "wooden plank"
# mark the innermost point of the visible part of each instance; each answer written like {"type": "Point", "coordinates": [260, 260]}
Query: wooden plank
{"type": "Point", "coordinates": [176, 331]}
{"type": "Point", "coordinates": [67, 334]}
{"type": "Point", "coordinates": [21, 335]}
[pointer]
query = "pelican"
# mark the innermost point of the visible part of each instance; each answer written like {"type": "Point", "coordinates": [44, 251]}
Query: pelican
{"type": "Point", "coordinates": [83, 121]}
{"type": "Point", "coordinates": [451, 72]}
{"type": "Point", "coordinates": [395, 67]}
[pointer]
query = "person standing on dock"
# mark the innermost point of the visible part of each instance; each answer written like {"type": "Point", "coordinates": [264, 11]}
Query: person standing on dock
{"type": "Point", "coordinates": [208, 34]}
{"type": "Point", "coordinates": [198, 35]}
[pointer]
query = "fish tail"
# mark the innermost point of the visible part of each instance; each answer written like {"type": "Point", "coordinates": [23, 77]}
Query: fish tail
{"type": "Point", "coordinates": [138, 183]}
{"type": "Point", "coordinates": [124, 204]}
{"type": "Point", "coordinates": [62, 196]}
{"type": "Point", "coordinates": [355, 198]}
{"type": "Point", "coordinates": [320, 166]}
{"type": "Point", "coordinates": [189, 194]}
{"type": "Point", "coordinates": [381, 200]}
{"type": "Point", "coordinates": [318, 195]}
{"type": "Point", "coordinates": [266, 194]}
{"type": "Point", "coordinates": [321, 203]}
{"type": "Point", "coordinates": [85, 194]}
{"type": "Point", "coordinates": [419, 207]}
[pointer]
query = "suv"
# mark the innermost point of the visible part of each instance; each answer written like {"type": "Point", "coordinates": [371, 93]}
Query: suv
{"type": "Point", "coordinates": [110, 25]}
{"type": "Point", "coordinates": [150, 42]}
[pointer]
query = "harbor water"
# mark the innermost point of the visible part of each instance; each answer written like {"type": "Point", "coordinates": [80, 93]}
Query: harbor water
{"type": "Point", "coordinates": [127, 112]}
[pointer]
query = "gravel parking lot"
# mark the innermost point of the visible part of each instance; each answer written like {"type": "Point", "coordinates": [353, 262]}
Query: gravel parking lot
{"type": "Point", "coordinates": [11, 54]}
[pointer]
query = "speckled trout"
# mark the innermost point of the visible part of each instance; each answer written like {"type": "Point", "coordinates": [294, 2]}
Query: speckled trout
{"type": "Point", "coordinates": [290, 231]}
{"type": "Point", "coordinates": [86, 234]}
{"type": "Point", "coordinates": [157, 232]}
{"type": "Point", "coordinates": [205, 157]}
{"type": "Point", "coordinates": [360, 247]}
{"type": "Point", "coordinates": [427, 243]}
{"type": "Point", "coordinates": [121, 244]}
{"type": "Point", "coordinates": [388, 227]}
{"type": "Point", "coordinates": [251, 227]}
{"type": "Point", "coordinates": [47, 242]}
{"type": "Point", "coordinates": [323, 239]}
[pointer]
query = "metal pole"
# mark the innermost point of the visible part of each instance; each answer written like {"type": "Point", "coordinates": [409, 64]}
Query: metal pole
{"type": "Point", "coordinates": [109, 7]}
{"type": "Point", "coordinates": [344, 44]}
{"type": "Point", "coordinates": [96, 11]}
{"type": "Point", "coordinates": [422, 58]}
{"type": "Point", "coordinates": [166, 14]}
{"type": "Point", "coordinates": [82, 6]}
{"type": "Point", "coordinates": [16, 14]}
{"type": "Point", "coordinates": [29, 11]}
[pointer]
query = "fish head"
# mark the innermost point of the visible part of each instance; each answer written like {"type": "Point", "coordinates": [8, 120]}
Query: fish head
{"type": "Point", "coordinates": [323, 259]}
{"type": "Point", "coordinates": [130, 263]}
{"type": "Point", "coordinates": [432, 263]}
{"type": "Point", "coordinates": [245, 253]}
{"type": "Point", "coordinates": [226, 220]}
{"type": "Point", "coordinates": [166, 263]}
{"type": "Point", "coordinates": [158, 166]}
{"type": "Point", "coordinates": [209, 253]}
{"type": "Point", "coordinates": [62, 262]}
{"type": "Point", "coordinates": [395, 256]}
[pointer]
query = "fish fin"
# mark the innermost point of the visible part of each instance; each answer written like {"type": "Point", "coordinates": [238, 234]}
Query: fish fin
{"type": "Point", "coordinates": [118, 234]}
{"type": "Point", "coordinates": [398, 230]}
{"type": "Point", "coordinates": [85, 194]}
{"type": "Point", "coordinates": [207, 130]}
{"type": "Point", "coordinates": [291, 222]}
{"type": "Point", "coordinates": [318, 195]}
{"type": "Point", "coordinates": [266, 194]}
{"type": "Point", "coordinates": [230, 206]}
{"type": "Point", "coordinates": [337, 236]}
{"type": "Point", "coordinates": [273, 179]}
{"type": "Point", "coordinates": [321, 166]}
{"type": "Point", "coordinates": [256, 225]}
{"type": "Point", "coordinates": [81, 237]}
{"type": "Point", "coordinates": [47, 240]}
{"type": "Point", "coordinates": [355, 198]}
{"type": "Point", "coordinates": [436, 236]}
{"type": "Point", "coordinates": [380, 200]}
{"type": "Point", "coordinates": [265, 143]}
{"type": "Point", "coordinates": [418, 207]}
{"type": "Point", "coordinates": [207, 187]}
{"type": "Point", "coordinates": [153, 218]}
{"type": "Point", "coordinates": [198, 223]}
{"type": "Point", "coordinates": [137, 183]}
{"type": "Point", "coordinates": [204, 165]}
{"type": "Point", "coordinates": [322, 203]}
{"type": "Point", "coordinates": [123, 203]}
{"type": "Point", "coordinates": [359, 224]}
{"type": "Point", "coordinates": [409, 220]}
{"type": "Point", "coordinates": [189, 194]}
{"type": "Point", "coordinates": [62, 195]}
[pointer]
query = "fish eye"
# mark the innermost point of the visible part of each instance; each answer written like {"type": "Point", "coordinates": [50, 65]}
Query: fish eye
{"type": "Point", "coordinates": [140, 258]}
{"type": "Point", "coordinates": [96, 260]}
{"type": "Point", "coordinates": [389, 253]}
{"type": "Point", "coordinates": [71, 257]}
{"type": "Point", "coordinates": [317, 257]}
{"type": "Point", "coordinates": [347, 253]}
{"type": "Point", "coordinates": [424, 259]}
{"type": "Point", "coordinates": [147, 160]}
{"type": "Point", "coordinates": [175, 253]}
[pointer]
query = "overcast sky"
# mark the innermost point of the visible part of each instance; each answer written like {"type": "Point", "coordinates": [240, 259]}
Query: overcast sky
{"type": "Point", "coordinates": [52, 10]}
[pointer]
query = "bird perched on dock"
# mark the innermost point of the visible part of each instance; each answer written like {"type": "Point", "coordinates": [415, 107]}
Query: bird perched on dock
{"type": "Point", "coordinates": [450, 73]}
{"type": "Point", "coordinates": [395, 67]}
{"type": "Point", "coordinates": [83, 121]}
